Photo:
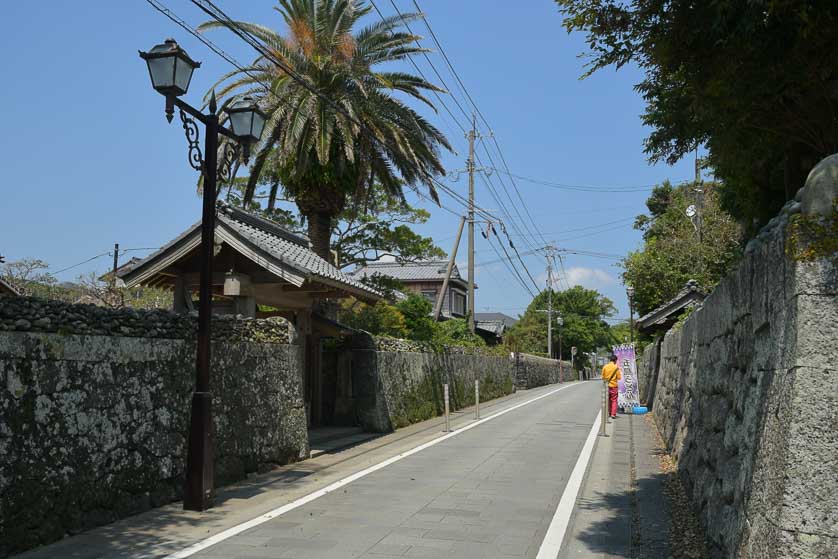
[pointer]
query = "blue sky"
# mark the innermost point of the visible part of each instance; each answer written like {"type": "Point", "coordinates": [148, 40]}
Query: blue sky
{"type": "Point", "coordinates": [88, 159]}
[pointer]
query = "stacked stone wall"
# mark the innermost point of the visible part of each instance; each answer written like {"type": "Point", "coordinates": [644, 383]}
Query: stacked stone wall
{"type": "Point", "coordinates": [744, 394]}
{"type": "Point", "coordinates": [93, 427]}
{"type": "Point", "coordinates": [400, 382]}
{"type": "Point", "coordinates": [532, 371]}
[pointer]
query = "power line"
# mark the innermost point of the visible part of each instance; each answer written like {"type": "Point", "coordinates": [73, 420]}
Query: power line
{"type": "Point", "coordinates": [485, 121]}
{"type": "Point", "coordinates": [451, 66]}
{"type": "Point", "coordinates": [589, 227]}
{"type": "Point", "coordinates": [217, 14]}
{"type": "Point", "coordinates": [584, 187]}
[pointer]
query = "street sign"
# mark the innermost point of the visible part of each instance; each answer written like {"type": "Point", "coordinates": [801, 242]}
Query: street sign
{"type": "Point", "coordinates": [573, 350]}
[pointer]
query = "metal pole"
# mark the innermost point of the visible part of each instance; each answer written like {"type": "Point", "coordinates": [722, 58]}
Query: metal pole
{"type": "Point", "coordinates": [631, 318]}
{"type": "Point", "coordinates": [477, 398]}
{"type": "Point", "coordinates": [549, 308]}
{"type": "Point", "coordinates": [471, 136]}
{"type": "Point", "coordinates": [447, 419]}
{"type": "Point", "coordinates": [441, 297]}
{"type": "Point", "coordinates": [198, 489]}
{"type": "Point", "coordinates": [604, 418]}
{"type": "Point", "coordinates": [115, 264]}
{"type": "Point", "coordinates": [561, 365]}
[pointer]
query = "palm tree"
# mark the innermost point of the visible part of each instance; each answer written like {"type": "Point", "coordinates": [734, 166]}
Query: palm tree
{"type": "Point", "coordinates": [319, 155]}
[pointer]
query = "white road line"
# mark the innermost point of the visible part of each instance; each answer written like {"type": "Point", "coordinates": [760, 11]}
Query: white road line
{"type": "Point", "coordinates": [554, 537]}
{"type": "Point", "coordinates": [279, 511]}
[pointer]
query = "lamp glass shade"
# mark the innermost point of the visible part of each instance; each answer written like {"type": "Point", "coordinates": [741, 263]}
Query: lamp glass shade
{"type": "Point", "coordinates": [246, 119]}
{"type": "Point", "coordinates": [162, 72]}
{"type": "Point", "coordinates": [170, 68]}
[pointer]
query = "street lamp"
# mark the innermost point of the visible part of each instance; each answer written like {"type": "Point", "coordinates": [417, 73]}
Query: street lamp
{"type": "Point", "coordinates": [170, 70]}
{"type": "Point", "coordinates": [630, 293]}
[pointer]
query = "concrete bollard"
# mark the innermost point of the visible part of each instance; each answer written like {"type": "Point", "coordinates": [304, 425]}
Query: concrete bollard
{"type": "Point", "coordinates": [476, 399]}
{"type": "Point", "coordinates": [447, 417]}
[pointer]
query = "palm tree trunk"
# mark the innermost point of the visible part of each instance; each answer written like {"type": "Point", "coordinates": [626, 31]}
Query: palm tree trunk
{"type": "Point", "coordinates": [319, 233]}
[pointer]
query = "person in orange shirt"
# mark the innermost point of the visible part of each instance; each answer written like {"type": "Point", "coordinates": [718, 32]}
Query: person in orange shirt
{"type": "Point", "coordinates": [611, 373]}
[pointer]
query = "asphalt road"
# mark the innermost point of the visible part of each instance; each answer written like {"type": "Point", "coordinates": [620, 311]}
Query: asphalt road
{"type": "Point", "coordinates": [490, 491]}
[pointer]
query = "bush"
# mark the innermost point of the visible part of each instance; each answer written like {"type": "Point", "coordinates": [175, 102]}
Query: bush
{"type": "Point", "coordinates": [417, 316]}
{"type": "Point", "coordinates": [456, 332]}
{"type": "Point", "coordinates": [380, 319]}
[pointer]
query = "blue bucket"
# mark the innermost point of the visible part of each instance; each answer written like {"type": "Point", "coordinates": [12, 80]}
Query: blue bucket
{"type": "Point", "coordinates": [639, 410]}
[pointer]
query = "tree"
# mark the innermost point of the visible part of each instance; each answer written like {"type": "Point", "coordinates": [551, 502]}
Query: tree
{"type": "Point", "coordinates": [755, 82]}
{"type": "Point", "coordinates": [342, 130]}
{"type": "Point", "coordinates": [672, 252]}
{"type": "Point", "coordinates": [29, 276]}
{"type": "Point", "coordinates": [583, 312]}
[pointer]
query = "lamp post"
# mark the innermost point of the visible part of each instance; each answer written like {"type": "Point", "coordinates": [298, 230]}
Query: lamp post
{"type": "Point", "coordinates": [630, 293]}
{"type": "Point", "coordinates": [170, 70]}
{"type": "Point", "coordinates": [560, 322]}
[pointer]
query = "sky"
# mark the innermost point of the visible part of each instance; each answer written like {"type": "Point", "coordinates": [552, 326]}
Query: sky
{"type": "Point", "coordinates": [88, 158]}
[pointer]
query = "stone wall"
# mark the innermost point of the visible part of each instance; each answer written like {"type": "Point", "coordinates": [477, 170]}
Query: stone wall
{"type": "Point", "coordinates": [532, 371]}
{"type": "Point", "coordinates": [398, 383]}
{"type": "Point", "coordinates": [745, 396]}
{"type": "Point", "coordinates": [29, 314]}
{"type": "Point", "coordinates": [93, 427]}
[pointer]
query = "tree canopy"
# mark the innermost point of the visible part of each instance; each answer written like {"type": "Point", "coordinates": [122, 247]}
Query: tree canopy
{"type": "Point", "coordinates": [335, 127]}
{"type": "Point", "coordinates": [755, 82]}
{"type": "Point", "coordinates": [676, 248]}
{"type": "Point", "coordinates": [583, 313]}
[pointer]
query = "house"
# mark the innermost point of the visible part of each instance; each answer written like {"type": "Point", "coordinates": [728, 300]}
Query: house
{"type": "Point", "coordinates": [491, 326]}
{"type": "Point", "coordinates": [7, 289]}
{"type": "Point", "coordinates": [664, 317]}
{"type": "Point", "coordinates": [425, 278]}
{"type": "Point", "coordinates": [258, 263]}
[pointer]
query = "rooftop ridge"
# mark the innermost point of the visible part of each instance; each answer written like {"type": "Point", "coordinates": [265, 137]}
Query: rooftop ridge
{"type": "Point", "coordinates": [266, 225]}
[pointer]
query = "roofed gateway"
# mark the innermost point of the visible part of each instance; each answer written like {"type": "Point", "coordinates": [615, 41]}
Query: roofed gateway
{"type": "Point", "coordinates": [258, 264]}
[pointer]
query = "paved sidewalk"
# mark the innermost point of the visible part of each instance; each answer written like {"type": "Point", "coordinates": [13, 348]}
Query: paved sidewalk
{"type": "Point", "coordinates": [487, 492]}
{"type": "Point", "coordinates": [621, 511]}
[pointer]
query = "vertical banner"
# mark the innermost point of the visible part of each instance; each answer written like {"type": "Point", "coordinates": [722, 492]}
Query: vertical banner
{"type": "Point", "coordinates": [628, 392]}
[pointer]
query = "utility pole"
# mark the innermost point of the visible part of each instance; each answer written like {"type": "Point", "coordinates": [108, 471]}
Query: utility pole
{"type": "Point", "coordinates": [441, 297]}
{"type": "Point", "coordinates": [471, 135]}
{"type": "Point", "coordinates": [115, 264]}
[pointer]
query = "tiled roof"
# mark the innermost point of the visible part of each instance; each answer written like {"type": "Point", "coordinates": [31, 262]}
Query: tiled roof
{"type": "Point", "coordinates": [504, 319]}
{"type": "Point", "coordinates": [283, 253]}
{"type": "Point", "coordinates": [689, 295]}
{"type": "Point", "coordinates": [6, 288]}
{"type": "Point", "coordinates": [431, 270]}
{"type": "Point", "coordinates": [293, 248]}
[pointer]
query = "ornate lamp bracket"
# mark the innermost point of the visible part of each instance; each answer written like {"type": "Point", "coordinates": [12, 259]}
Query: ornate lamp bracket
{"type": "Point", "coordinates": [229, 162]}
{"type": "Point", "coordinates": [190, 129]}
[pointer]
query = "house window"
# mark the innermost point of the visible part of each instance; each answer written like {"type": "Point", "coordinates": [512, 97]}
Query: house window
{"type": "Point", "coordinates": [458, 303]}
{"type": "Point", "coordinates": [430, 295]}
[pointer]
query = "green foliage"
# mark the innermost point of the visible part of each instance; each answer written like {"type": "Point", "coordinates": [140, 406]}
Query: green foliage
{"type": "Point", "coordinates": [455, 332]}
{"type": "Point", "coordinates": [381, 319]}
{"type": "Point", "coordinates": [752, 81]}
{"type": "Point", "coordinates": [812, 237]}
{"type": "Point", "coordinates": [583, 312]}
{"type": "Point", "coordinates": [417, 316]}
{"type": "Point", "coordinates": [310, 150]}
{"type": "Point", "coordinates": [672, 252]}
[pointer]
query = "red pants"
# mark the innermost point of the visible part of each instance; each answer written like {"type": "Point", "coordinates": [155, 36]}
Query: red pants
{"type": "Point", "coordinates": [612, 401]}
